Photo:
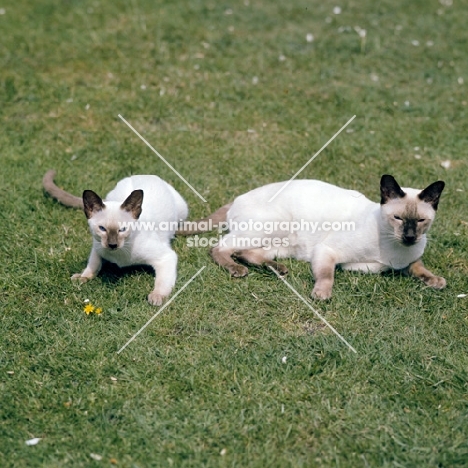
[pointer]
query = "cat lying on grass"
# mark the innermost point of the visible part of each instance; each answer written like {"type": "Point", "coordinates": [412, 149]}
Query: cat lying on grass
{"type": "Point", "coordinates": [386, 236]}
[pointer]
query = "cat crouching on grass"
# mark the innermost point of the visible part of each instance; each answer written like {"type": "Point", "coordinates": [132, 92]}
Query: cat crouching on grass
{"type": "Point", "coordinates": [386, 236]}
{"type": "Point", "coordinates": [144, 199]}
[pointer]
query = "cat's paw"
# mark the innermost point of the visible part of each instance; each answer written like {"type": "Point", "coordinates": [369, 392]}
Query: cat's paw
{"type": "Point", "coordinates": [78, 277]}
{"type": "Point", "coordinates": [436, 282]}
{"type": "Point", "coordinates": [238, 271]}
{"type": "Point", "coordinates": [280, 268]}
{"type": "Point", "coordinates": [321, 293]}
{"type": "Point", "coordinates": [156, 299]}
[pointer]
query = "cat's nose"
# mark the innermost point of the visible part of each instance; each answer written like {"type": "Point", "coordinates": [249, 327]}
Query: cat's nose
{"type": "Point", "coordinates": [112, 246]}
{"type": "Point", "coordinates": [409, 239]}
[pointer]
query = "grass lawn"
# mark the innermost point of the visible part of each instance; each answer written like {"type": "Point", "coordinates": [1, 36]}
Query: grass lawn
{"type": "Point", "coordinates": [234, 372]}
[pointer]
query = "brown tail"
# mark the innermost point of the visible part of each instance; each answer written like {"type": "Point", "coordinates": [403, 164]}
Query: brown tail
{"type": "Point", "coordinates": [60, 195]}
{"type": "Point", "coordinates": [204, 225]}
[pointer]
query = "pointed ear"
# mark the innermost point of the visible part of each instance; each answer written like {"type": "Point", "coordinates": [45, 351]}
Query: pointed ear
{"type": "Point", "coordinates": [432, 193]}
{"type": "Point", "coordinates": [133, 203]}
{"type": "Point", "coordinates": [92, 203]}
{"type": "Point", "coordinates": [389, 189]}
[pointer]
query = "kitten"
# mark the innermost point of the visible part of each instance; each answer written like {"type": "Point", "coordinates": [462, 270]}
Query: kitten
{"type": "Point", "coordinates": [389, 235]}
{"type": "Point", "coordinates": [146, 199]}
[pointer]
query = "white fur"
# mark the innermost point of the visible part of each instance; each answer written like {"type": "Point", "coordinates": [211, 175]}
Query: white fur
{"type": "Point", "coordinates": [371, 247]}
{"type": "Point", "coordinates": [161, 204]}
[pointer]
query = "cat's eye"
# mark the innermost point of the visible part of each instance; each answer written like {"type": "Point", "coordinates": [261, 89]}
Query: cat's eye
{"type": "Point", "coordinates": [123, 229]}
{"type": "Point", "coordinates": [397, 217]}
{"type": "Point", "coordinates": [102, 228]}
{"type": "Point", "coordinates": [421, 220]}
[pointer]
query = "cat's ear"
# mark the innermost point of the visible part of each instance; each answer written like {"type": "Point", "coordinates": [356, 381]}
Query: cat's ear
{"type": "Point", "coordinates": [92, 203]}
{"type": "Point", "coordinates": [432, 193]}
{"type": "Point", "coordinates": [133, 203]}
{"type": "Point", "coordinates": [389, 189]}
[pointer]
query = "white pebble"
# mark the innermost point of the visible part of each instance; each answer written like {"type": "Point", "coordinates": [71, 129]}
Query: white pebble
{"type": "Point", "coordinates": [460, 80]}
{"type": "Point", "coordinates": [309, 37]}
{"type": "Point", "coordinates": [337, 10]}
{"type": "Point", "coordinates": [446, 164]}
{"type": "Point", "coordinates": [415, 43]}
{"type": "Point", "coordinates": [284, 359]}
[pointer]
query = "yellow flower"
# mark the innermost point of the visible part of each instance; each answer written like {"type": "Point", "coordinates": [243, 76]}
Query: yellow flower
{"type": "Point", "coordinates": [98, 311]}
{"type": "Point", "coordinates": [88, 308]}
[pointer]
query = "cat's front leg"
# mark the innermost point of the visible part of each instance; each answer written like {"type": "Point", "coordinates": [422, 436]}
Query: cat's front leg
{"type": "Point", "coordinates": [92, 268]}
{"type": "Point", "coordinates": [166, 274]}
{"type": "Point", "coordinates": [418, 270]}
{"type": "Point", "coordinates": [323, 269]}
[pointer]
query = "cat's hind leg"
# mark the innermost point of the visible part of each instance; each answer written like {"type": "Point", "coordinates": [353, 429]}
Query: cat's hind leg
{"type": "Point", "coordinates": [259, 257]}
{"type": "Point", "coordinates": [223, 257]}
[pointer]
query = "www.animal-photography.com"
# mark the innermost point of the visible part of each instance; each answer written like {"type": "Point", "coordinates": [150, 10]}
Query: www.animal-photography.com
{"type": "Point", "coordinates": [234, 234]}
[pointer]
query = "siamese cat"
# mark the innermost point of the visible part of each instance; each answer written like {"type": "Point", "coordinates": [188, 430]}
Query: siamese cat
{"type": "Point", "coordinates": [385, 236]}
{"type": "Point", "coordinates": [145, 199]}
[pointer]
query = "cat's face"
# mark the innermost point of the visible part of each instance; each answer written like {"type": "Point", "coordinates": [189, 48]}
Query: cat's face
{"type": "Point", "coordinates": [408, 213]}
{"type": "Point", "coordinates": [105, 221]}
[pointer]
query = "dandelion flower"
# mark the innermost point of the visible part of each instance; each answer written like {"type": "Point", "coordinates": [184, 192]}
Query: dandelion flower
{"type": "Point", "coordinates": [98, 311]}
{"type": "Point", "coordinates": [88, 309]}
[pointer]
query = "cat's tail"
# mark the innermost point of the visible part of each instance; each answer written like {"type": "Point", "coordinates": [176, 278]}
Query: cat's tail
{"type": "Point", "coordinates": [212, 221]}
{"type": "Point", "coordinates": [60, 195]}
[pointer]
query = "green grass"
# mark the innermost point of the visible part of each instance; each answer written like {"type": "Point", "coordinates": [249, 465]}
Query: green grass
{"type": "Point", "coordinates": [204, 384]}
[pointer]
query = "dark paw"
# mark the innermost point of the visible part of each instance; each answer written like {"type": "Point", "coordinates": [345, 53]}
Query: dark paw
{"type": "Point", "coordinates": [238, 271]}
{"type": "Point", "coordinates": [436, 282]}
{"type": "Point", "coordinates": [279, 267]}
